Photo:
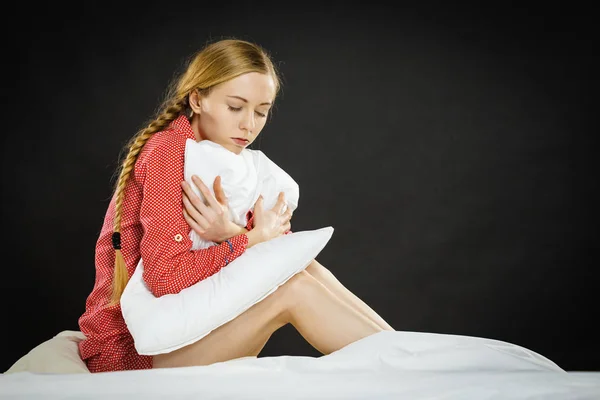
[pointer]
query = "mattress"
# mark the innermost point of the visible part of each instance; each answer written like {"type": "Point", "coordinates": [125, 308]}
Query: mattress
{"type": "Point", "coordinates": [386, 365]}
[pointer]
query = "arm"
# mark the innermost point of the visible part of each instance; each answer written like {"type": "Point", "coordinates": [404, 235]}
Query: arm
{"type": "Point", "coordinates": [170, 264]}
{"type": "Point", "coordinates": [254, 236]}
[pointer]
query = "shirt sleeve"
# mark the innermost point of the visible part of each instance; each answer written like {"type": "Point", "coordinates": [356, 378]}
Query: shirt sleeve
{"type": "Point", "coordinates": [170, 264]}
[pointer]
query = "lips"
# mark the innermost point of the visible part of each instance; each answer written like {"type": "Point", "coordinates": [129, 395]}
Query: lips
{"type": "Point", "coordinates": [240, 141]}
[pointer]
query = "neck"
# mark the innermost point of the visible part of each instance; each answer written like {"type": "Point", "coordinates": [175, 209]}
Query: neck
{"type": "Point", "coordinates": [194, 124]}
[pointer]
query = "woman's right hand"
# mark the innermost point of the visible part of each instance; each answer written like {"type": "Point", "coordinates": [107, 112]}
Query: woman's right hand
{"type": "Point", "coordinates": [274, 222]}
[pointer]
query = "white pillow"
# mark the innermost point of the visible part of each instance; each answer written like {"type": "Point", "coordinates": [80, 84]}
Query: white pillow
{"type": "Point", "coordinates": [163, 324]}
{"type": "Point", "coordinates": [57, 355]}
{"type": "Point", "coordinates": [244, 177]}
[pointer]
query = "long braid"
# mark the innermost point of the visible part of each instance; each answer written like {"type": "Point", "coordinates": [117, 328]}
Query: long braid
{"type": "Point", "coordinates": [135, 146]}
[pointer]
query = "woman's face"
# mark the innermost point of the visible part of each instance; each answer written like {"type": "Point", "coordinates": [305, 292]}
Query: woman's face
{"type": "Point", "coordinates": [234, 109]}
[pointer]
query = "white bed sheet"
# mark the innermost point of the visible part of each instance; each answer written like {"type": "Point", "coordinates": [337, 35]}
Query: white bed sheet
{"type": "Point", "coordinates": [387, 365]}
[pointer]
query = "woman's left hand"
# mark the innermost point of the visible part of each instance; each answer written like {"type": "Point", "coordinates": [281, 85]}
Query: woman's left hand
{"type": "Point", "coordinates": [210, 220]}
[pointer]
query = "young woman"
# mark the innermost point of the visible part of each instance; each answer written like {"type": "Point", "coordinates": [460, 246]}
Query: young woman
{"type": "Point", "coordinates": [225, 95]}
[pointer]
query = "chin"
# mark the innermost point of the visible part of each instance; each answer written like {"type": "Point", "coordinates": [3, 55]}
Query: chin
{"type": "Point", "coordinates": [233, 149]}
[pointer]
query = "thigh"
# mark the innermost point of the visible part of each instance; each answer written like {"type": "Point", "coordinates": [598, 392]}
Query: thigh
{"type": "Point", "coordinates": [243, 336]}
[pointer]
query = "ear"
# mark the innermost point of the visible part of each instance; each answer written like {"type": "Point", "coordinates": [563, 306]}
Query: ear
{"type": "Point", "coordinates": [194, 100]}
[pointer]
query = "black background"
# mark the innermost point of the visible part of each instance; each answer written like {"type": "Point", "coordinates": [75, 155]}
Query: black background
{"type": "Point", "coordinates": [450, 148]}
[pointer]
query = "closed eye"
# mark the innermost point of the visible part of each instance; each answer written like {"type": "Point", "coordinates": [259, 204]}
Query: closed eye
{"type": "Point", "coordinates": [236, 109]}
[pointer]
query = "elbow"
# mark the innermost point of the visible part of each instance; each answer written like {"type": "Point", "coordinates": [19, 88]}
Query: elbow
{"type": "Point", "coordinates": [160, 287]}
{"type": "Point", "coordinates": [159, 282]}
{"type": "Point", "coordinates": [158, 290]}
{"type": "Point", "coordinates": [156, 287]}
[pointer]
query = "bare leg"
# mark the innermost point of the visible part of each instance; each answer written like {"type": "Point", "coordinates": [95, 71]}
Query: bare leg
{"type": "Point", "coordinates": [326, 322]}
{"type": "Point", "coordinates": [326, 277]}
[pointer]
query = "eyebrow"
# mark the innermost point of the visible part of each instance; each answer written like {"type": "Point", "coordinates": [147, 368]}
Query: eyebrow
{"type": "Point", "coordinates": [245, 101]}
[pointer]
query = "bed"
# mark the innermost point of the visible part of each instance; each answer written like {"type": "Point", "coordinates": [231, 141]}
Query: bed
{"type": "Point", "coordinates": [387, 365]}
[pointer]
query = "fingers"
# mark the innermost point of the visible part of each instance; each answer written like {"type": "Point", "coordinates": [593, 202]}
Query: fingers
{"type": "Point", "coordinates": [192, 196]}
{"type": "Point", "coordinates": [192, 214]}
{"type": "Point", "coordinates": [212, 202]}
{"type": "Point", "coordinates": [219, 192]}
{"type": "Point", "coordinates": [197, 228]}
{"type": "Point", "coordinates": [286, 222]}
{"type": "Point", "coordinates": [197, 206]}
{"type": "Point", "coordinates": [278, 207]}
{"type": "Point", "coordinates": [258, 205]}
{"type": "Point", "coordinates": [287, 227]}
{"type": "Point", "coordinates": [287, 215]}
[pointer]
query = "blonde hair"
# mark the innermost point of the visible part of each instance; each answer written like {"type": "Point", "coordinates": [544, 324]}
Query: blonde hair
{"type": "Point", "coordinates": [214, 64]}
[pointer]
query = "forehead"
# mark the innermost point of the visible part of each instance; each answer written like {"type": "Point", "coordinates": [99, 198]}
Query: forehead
{"type": "Point", "coordinates": [252, 86]}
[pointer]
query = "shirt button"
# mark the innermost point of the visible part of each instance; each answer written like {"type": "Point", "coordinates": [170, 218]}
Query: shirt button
{"type": "Point", "coordinates": [178, 237]}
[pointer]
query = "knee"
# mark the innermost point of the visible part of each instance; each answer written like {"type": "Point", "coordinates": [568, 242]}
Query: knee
{"type": "Point", "coordinates": [299, 282]}
{"type": "Point", "coordinates": [298, 286]}
{"type": "Point", "coordinates": [317, 270]}
{"type": "Point", "coordinates": [292, 293]}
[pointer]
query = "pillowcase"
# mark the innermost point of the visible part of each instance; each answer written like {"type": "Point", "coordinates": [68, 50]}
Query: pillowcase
{"type": "Point", "coordinates": [58, 355]}
{"type": "Point", "coordinates": [167, 323]}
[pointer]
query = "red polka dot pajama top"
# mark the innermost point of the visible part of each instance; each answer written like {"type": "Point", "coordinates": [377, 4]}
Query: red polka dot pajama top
{"type": "Point", "coordinates": [152, 221]}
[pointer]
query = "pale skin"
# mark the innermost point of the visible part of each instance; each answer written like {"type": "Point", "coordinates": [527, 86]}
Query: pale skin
{"type": "Point", "coordinates": [325, 312]}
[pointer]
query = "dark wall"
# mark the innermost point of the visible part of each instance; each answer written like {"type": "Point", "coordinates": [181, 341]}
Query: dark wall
{"type": "Point", "coordinates": [451, 150]}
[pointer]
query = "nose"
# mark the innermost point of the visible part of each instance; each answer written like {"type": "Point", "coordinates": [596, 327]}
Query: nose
{"type": "Point", "coordinates": [248, 122]}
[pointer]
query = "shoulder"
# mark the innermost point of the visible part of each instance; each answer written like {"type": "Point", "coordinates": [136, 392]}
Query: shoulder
{"type": "Point", "coordinates": [163, 146]}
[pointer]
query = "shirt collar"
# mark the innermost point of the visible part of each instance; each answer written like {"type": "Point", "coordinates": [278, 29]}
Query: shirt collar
{"type": "Point", "coordinates": [182, 126]}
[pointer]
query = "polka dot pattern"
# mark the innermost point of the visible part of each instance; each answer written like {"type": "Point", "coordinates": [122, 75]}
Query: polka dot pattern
{"type": "Point", "coordinates": [152, 228]}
